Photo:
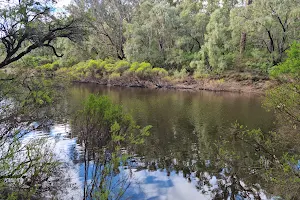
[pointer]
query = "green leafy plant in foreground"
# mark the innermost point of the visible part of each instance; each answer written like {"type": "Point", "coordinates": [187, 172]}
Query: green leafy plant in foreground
{"type": "Point", "coordinates": [290, 68]}
{"type": "Point", "coordinates": [105, 132]}
{"type": "Point", "coordinates": [28, 165]}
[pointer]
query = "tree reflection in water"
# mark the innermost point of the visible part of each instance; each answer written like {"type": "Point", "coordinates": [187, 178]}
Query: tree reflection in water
{"type": "Point", "coordinates": [192, 134]}
{"type": "Point", "coordinates": [103, 129]}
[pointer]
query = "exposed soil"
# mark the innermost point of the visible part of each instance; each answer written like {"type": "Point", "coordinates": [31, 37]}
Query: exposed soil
{"type": "Point", "coordinates": [231, 82]}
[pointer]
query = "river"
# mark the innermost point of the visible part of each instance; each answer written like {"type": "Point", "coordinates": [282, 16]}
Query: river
{"type": "Point", "coordinates": [186, 126]}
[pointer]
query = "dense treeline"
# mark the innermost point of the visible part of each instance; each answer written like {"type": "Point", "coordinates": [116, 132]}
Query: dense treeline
{"type": "Point", "coordinates": [203, 36]}
{"type": "Point", "coordinates": [193, 37]}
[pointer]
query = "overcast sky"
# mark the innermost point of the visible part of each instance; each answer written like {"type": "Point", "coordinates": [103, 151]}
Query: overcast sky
{"type": "Point", "coordinates": [61, 3]}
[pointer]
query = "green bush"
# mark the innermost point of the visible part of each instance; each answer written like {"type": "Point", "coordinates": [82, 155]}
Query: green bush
{"type": "Point", "coordinates": [56, 65]}
{"type": "Point", "coordinates": [182, 74]}
{"type": "Point", "coordinates": [291, 66]}
{"type": "Point", "coordinates": [103, 63]}
{"type": "Point", "coordinates": [46, 67]}
{"type": "Point", "coordinates": [50, 67]}
{"type": "Point", "coordinates": [94, 64]}
{"type": "Point", "coordinates": [109, 68]}
{"type": "Point", "coordinates": [114, 76]}
{"type": "Point", "coordinates": [34, 61]}
{"type": "Point", "coordinates": [159, 72]}
{"type": "Point", "coordinates": [144, 70]}
{"type": "Point", "coordinates": [121, 66]}
{"type": "Point", "coordinates": [134, 66]}
{"type": "Point", "coordinates": [69, 62]}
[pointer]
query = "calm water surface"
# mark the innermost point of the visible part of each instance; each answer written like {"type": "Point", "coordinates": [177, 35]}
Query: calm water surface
{"type": "Point", "coordinates": [186, 126]}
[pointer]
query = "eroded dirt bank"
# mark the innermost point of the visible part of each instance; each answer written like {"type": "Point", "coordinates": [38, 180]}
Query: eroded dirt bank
{"type": "Point", "coordinates": [230, 83]}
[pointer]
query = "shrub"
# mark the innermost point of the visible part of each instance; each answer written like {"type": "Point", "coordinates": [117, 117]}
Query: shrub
{"type": "Point", "coordinates": [34, 61]}
{"type": "Point", "coordinates": [291, 66]}
{"type": "Point", "coordinates": [104, 68]}
{"type": "Point", "coordinates": [199, 70]}
{"type": "Point", "coordinates": [103, 63]}
{"type": "Point", "coordinates": [55, 65]}
{"type": "Point", "coordinates": [199, 74]}
{"type": "Point", "coordinates": [94, 67]}
{"type": "Point", "coordinates": [100, 118]}
{"type": "Point", "coordinates": [46, 67]}
{"type": "Point", "coordinates": [50, 67]}
{"type": "Point", "coordinates": [110, 60]}
{"type": "Point", "coordinates": [121, 66]}
{"type": "Point", "coordinates": [93, 64]}
{"type": "Point", "coordinates": [144, 70]}
{"type": "Point", "coordinates": [69, 62]}
{"type": "Point", "coordinates": [114, 76]}
{"type": "Point", "coordinates": [63, 70]}
{"type": "Point", "coordinates": [109, 68]}
{"type": "Point", "coordinates": [159, 72]}
{"type": "Point", "coordinates": [258, 61]}
{"type": "Point", "coordinates": [181, 74]}
{"type": "Point", "coordinates": [134, 66]}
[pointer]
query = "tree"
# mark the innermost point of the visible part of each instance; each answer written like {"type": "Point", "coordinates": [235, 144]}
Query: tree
{"type": "Point", "coordinates": [276, 154]}
{"type": "Point", "coordinates": [28, 25]}
{"type": "Point", "coordinates": [244, 35]}
{"type": "Point", "coordinates": [105, 21]}
{"type": "Point", "coordinates": [166, 34]}
{"type": "Point", "coordinates": [290, 68]}
{"type": "Point", "coordinates": [151, 35]}
{"type": "Point", "coordinates": [272, 26]}
{"type": "Point", "coordinates": [217, 49]}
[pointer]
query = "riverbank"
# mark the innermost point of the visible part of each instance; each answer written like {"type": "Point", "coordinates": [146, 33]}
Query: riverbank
{"type": "Point", "coordinates": [235, 82]}
{"type": "Point", "coordinates": [144, 75]}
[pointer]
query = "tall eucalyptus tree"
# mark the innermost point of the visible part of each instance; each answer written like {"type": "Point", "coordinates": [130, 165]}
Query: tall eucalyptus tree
{"type": "Point", "coordinates": [105, 20]}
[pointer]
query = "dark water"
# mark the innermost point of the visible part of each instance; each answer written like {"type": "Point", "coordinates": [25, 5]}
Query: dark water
{"type": "Point", "coordinates": [178, 159]}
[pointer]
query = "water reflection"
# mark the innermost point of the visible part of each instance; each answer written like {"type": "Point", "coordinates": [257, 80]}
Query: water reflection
{"type": "Point", "coordinates": [186, 129]}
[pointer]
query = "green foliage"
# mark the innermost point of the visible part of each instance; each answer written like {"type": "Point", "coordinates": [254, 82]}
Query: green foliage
{"type": "Point", "coordinates": [134, 66]}
{"type": "Point", "coordinates": [258, 60]}
{"type": "Point", "coordinates": [122, 66]}
{"type": "Point", "coordinates": [275, 154]}
{"type": "Point", "coordinates": [105, 128]}
{"type": "Point", "coordinates": [291, 66]}
{"type": "Point", "coordinates": [94, 64]}
{"type": "Point", "coordinates": [107, 69]}
{"type": "Point", "coordinates": [26, 164]}
{"type": "Point", "coordinates": [103, 115]}
{"type": "Point", "coordinates": [26, 29]}
{"type": "Point", "coordinates": [165, 35]}
{"type": "Point", "coordinates": [32, 61]}
{"type": "Point", "coordinates": [217, 45]}
{"type": "Point", "coordinates": [209, 36]}
{"type": "Point", "coordinates": [182, 74]}
{"type": "Point", "coordinates": [159, 72]}
{"type": "Point", "coordinates": [114, 76]}
{"type": "Point", "coordinates": [202, 37]}
{"type": "Point", "coordinates": [285, 100]}
{"type": "Point", "coordinates": [271, 164]}
{"type": "Point", "coordinates": [144, 70]}
{"type": "Point", "coordinates": [49, 67]}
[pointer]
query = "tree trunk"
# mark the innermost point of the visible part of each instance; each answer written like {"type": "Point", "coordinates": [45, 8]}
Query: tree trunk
{"type": "Point", "coordinates": [244, 35]}
{"type": "Point", "coordinates": [243, 43]}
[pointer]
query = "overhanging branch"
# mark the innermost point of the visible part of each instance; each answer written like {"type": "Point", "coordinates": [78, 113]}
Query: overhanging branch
{"type": "Point", "coordinates": [54, 50]}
